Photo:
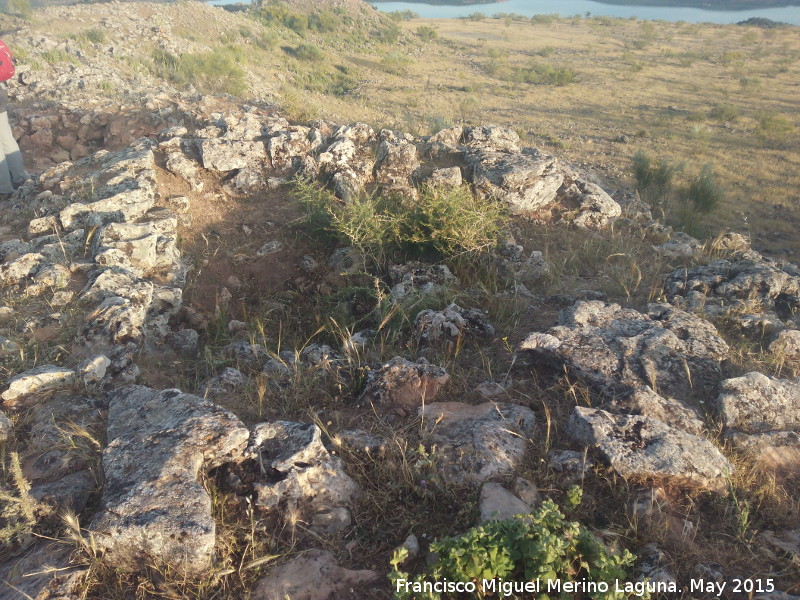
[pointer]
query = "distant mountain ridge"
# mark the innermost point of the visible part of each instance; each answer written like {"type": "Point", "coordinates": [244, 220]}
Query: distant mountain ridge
{"type": "Point", "coordinates": [705, 4]}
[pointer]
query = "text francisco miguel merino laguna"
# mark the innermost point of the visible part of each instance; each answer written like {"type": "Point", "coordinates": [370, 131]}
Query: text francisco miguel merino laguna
{"type": "Point", "coordinates": [634, 588]}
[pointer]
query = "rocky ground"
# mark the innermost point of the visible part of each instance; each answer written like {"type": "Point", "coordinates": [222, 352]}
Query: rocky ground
{"type": "Point", "coordinates": [202, 399]}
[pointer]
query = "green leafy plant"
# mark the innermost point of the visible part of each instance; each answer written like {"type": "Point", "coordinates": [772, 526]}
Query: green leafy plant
{"type": "Point", "coordinates": [541, 546]}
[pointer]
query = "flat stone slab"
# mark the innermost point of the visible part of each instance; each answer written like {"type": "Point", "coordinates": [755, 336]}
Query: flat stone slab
{"type": "Point", "coordinates": [37, 381]}
{"type": "Point", "coordinates": [314, 575]}
{"type": "Point", "coordinates": [643, 448]}
{"type": "Point", "coordinates": [154, 510]}
{"type": "Point", "coordinates": [476, 443]}
{"type": "Point", "coordinates": [618, 350]}
{"type": "Point", "coordinates": [755, 403]}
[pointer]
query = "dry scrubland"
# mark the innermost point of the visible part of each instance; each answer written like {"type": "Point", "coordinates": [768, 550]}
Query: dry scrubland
{"type": "Point", "coordinates": [602, 89]}
{"type": "Point", "coordinates": [597, 90]}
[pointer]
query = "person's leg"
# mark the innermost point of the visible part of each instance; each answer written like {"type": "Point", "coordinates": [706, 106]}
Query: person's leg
{"type": "Point", "coordinates": [13, 157]}
{"type": "Point", "coordinates": [6, 186]}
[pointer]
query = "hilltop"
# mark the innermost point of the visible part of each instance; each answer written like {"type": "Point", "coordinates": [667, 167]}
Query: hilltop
{"type": "Point", "coordinates": [282, 313]}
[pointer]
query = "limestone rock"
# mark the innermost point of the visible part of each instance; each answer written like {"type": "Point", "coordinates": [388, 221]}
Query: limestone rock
{"type": "Point", "coordinates": [594, 208]}
{"type": "Point", "coordinates": [447, 177]}
{"type": "Point", "coordinates": [496, 503]}
{"type": "Point", "coordinates": [617, 350]}
{"type": "Point", "coordinates": [786, 345]}
{"type": "Point", "coordinates": [395, 165]}
{"type": "Point", "coordinates": [6, 428]}
{"type": "Point", "coordinates": [228, 382]}
{"type": "Point", "coordinates": [416, 277]}
{"type": "Point", "coordinates": [477, 443]}
{"type": "Point", "coordinates": [153, 506]}
{"type": "Point", "coordinates": [92, 370]}
{"type": "Point", "coordinates": [226, 155]}
{"type": "Point", "coordinates": [644, 448]}
{"type": "Point", "coordinates": [285, 148]}
{"type": "Point", "coordinates": [315, 575]}
{"type": "Point", "coordinates": [18, 270]}
{"type": "Point", "coordinates": [747, 277]}
{"type": "Point", "coordinates": [526, 183]}
{"type": "Point", "coordinates": [404, 383]}
{"type": "Point", "coordinates": [38, 380]}
{"type": "Point", "coordinates": [302, 477]}
{"type": "Point", "coordinates": [42, 573]}
{"type": "Point", "coordinates": [644, 401]}
{"type": "Point", "coordinates": [450, 324]}
{"type": "Point", "coordinates": [246, 353]}
{"type": "Point", "coordinates": [755, 403]}
{"type": "Point", "coordinates": [347, 161]}
{"type": "Point", "coordinates": [185, 341]}
{"type": "Point", "coordinates": [497, 139]}
{"type": "Point", "coordinates": [179, 164]}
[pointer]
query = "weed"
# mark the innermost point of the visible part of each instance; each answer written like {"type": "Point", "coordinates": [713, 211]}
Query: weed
{"type": "Point", "coordinates": [309, 52]}
{"type": "Point", "coordinates": [540, 546]}
{"type": "Point", "coordinates": [654, 181]}
{"type": "Point", "coordinates": [774, 130]}
{"type": "Point", "coordinates": [446, 223]}
{"type": "Point", "coordinates": [724, 113]}
{"type": "Point", "coordinates": [427, 33]}
{"type": "Point", "coordinates": [210, 72]}
{"type": "Point", "coordinates": [95, 35]}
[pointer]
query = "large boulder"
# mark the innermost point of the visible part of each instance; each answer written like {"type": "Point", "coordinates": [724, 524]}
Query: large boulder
{"type": "Point", "coordinates": [299, 476]}
{"type": "Point", "coordinates": [756, 403]}
{"type": "Point", "coordinates": [526, 183]}
{"type": "Point", "coordinates": [618, 350]}
{"type": "Point", "coordinates": [154, 509]}
{"type": "Point", "coordinates": [404, 383]}
{"type": "Point", "coordinates": [396, 165]}
{"type": "Point", "coordinates": [477, 443]}
{"type": "Point", "coordinates": [747, 278]}
{"type": "Point", "coordinates": [642, 448]}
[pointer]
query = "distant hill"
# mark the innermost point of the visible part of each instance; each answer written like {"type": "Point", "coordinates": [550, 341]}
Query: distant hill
{"type": "Point", "coordinates": [706, 4]}
{"type": "Point", "coordinates": [709, 4]}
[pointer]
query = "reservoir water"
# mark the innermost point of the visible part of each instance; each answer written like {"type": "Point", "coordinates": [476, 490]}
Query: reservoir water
{"type": "Point", "coordinates": [568, 8]}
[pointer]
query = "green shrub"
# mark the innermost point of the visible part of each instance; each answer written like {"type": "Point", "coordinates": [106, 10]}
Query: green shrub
{"type": "Point", "coordinates": [703, 194]}
{"type": "Point", "coordinates": [403, 15]}
{"type": "Point", "coordinates": [724, 113]}
{"type": "Point", "coordinates": [427, 33]}
{"type": "Point", "coordinates": [476, 16]}
{"type": "Point", "coordinates": [442, 222]}
{"type": "Point", "coordinates": [20, 8]}
{"type": "Point", "coordinates": [543, 19]}
{"type": "Point", "coordinates": [774, 130]}
{"type": "Point", "coordinates": [309, 52]}
{"type": "Point", "coordinates": [539, 74]}
{"type": "Point", "coordinates": [654, 181]}
{"type": "Point", "coordinates": [95, 35]}
{"type": "Point", "coordinates": [389, 34]}
{"type": "Point", "coordinates": [266, 40]}
{"type": "Point", "coordinates": [57, 56]}
{"type": "Point", "coordinates": [340, 81]}
{"type": "Point", "coordinates": [396, 63]}
{"type": "Point", "coordinates": [214, 72]}
{"type": "Point", "coordinates": [540, 546]}
{"type": "Point", "coordinates": [324, 21]}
